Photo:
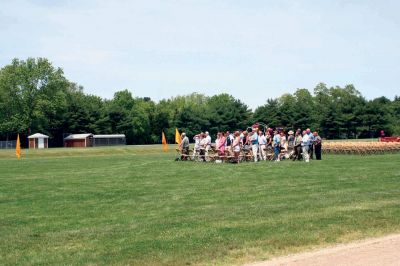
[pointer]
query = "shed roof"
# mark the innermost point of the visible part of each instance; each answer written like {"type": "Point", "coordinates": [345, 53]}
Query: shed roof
{"type": "Point", "coordinates": [78, 136]}
{"type": "Point", "coordinates": [38, 136]}
{"type": "Point", "coordinates": [112, 136]}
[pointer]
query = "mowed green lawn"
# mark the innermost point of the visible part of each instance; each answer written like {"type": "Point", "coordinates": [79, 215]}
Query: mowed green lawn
{"type": "Point", "coordinates": [135, 205]}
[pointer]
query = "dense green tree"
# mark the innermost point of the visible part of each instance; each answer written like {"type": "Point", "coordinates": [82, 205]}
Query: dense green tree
{"type": "Point", "coordinates": [268, 113]}
{"type": "Point", "coordinates": [376, 117]}
{"type": "Point", "coordinates": [287, 110]}
{"type": "Point", "coordinates": [395, 111]}
{"type": "Point", "coordinates": [323, 105]}
{"type": "Point", "coordinates": [304, 110]}
{"type": "Point", "coordinates": [227, 113]}
{"type": "Point", "coordinates": [33, 96]}
{"type": "Point", "coordinates": [140, 114]}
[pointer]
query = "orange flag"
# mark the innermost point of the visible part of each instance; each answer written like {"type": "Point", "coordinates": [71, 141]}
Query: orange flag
{"type": "Point", "coordinates": [177, 136]}
{"type": "Point", "coordinates": [18, 148]}
{"type": "Point", "coordinates": [164, 142]}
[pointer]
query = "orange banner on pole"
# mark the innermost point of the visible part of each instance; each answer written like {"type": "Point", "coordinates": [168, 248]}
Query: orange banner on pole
{"type": "Point", "coordinates": [164, 142]}
{"type": "Point", "coordinates": [18, 148]}
{"type": "Point", "coordinates": [177, 136]}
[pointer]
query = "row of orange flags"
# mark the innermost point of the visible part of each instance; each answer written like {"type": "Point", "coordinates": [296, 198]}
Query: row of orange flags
{"type": "Point", "coordinates": [164, 139]}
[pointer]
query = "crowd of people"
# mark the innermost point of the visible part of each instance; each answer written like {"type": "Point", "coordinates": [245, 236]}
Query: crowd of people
{"type": "Point", "coordinates": [256, 144]}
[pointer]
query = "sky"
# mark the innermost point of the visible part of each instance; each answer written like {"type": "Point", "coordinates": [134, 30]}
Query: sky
{"type": "Point", "coordinates": [253, 50]}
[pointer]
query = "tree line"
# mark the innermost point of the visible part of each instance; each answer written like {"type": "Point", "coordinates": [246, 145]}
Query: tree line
{"type": "Point", "coordinates": [36, 97]}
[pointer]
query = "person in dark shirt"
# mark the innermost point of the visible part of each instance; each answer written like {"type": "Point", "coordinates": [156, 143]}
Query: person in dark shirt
{"type": "Point", "coordinates": [317, 145]}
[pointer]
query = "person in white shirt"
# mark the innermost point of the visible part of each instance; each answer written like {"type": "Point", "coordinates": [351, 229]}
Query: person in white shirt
{"type": "Point", "coordinates": [208, 143]}
{"type": "Point", "coordinates": [283, 141]}
{"type": "Point", "coordinates": [196, 149]}
{"type": "Point", "coordinates": [203, 145]}
{"type": "Point", "coordinates": [229, 142]}
{"type": "Point", "coordinates": [305, 146]}
{"type": "Point", "coordinates": [231, 136]}
{"type": "Point", "coordinates": [262, 142]}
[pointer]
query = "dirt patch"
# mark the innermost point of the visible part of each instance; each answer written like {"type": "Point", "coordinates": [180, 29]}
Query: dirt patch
{"type": "Point", "coordinates": [376, 251]}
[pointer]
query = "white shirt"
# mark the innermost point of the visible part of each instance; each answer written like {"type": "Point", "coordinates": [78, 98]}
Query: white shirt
{"type": "Point", "coordinates": [262, 140]}
{"type": "Point", "coordinates": [203, 143]}
{"type": "Point", "coordinates": [306, 140]}
{"type": "Point", "coordinates": [208, 138]}
{"type": "Point", "coordinates": [196, 143]}
{"type": "Point", "coordinates": [217, 142]}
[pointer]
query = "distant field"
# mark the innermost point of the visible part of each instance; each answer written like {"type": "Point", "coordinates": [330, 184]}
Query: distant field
{"type": "Point", "coordinates": [352, 140]}
{"type": "Point", "coordinates": [135, 205]}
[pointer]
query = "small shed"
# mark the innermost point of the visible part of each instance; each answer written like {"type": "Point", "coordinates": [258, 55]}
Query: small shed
{"type": "Point", "coordinates": [109, 140]}
{"type": "Point", "coordinates": [78, 140]}
{"type": "Point", "coordinates": [38, 141]}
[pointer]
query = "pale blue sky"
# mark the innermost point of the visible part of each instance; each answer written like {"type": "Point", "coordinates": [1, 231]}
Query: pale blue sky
{"type": "Point", "coordinates": [250, 49]}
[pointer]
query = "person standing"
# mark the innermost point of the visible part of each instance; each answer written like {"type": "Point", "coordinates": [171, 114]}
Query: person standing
{"type": "Point", "coordinates": [221, 146]}
{"type": "Point", "coordinates": [244, 141]}
{"type": "Point", "coordinates": [317, 145]}
{"type": "Point", "coordinates": [185, 147]}
{"type": "Point", "coordinates": [217, 140]}
{"type": "Point", "coordinates": [290, 139]}
{"type": "Point", "coordinates": [203, 145]}
{"type": "Point", "coordinates": [208, 144]}
{"type": "Point", "coordinates": [196, 149]}
{"type": "Point", "coordinates": [236, 146]}
{"type": "Point", "coordinates": [277, 146]}
{"type": "Point", "coordinates": [305, 145]}
{"type": "Point", "coordinates": [311, 146]}
{"type": "Point", "coordinates": [283, 141]}
{"type": "Point", "coordinates": [262, 142]}
{"type": "Point", "coordinates": [228, 142]}
{"type": "Point", "coordinates": [297, 146]}
{"type": "Point", "coordinates": [241, 136]}
{"type": "Point", "coordinates": [254, 144]}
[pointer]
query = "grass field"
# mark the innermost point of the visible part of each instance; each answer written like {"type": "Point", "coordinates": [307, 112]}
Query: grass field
{"type": "Point", "coordinates": [135, 205]}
